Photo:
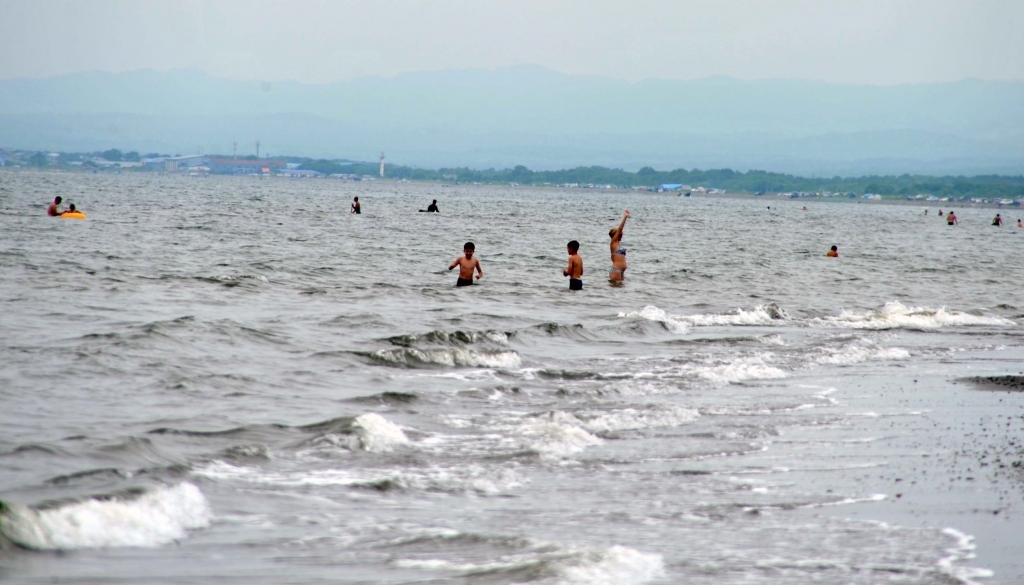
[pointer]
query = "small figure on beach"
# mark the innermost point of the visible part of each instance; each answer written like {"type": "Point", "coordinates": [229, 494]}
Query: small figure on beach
{"type": "Point", "coordinates": [467, 263]}
{"type": "Point", "coordinates": [356, 207]}
{"type": "Point", "coordinates": [997, 220]}
{"type": "Point", "coordinates": [951, 218]}
{"type": "Point", "coordinates": [54, 209]}
{"type": "Point", "coordinates": [575, 268]}
{"type": "Point", "coordinates": [432, 208]}
{"type": "Point", "coordinates": [618, 270]}
{"type": "Point", "coordinates": [833, 253]}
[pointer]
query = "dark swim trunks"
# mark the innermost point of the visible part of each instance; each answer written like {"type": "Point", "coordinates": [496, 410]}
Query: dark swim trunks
{"type": "Point", "coordinates": [575, 284]}
{"type": "Point", "coordinates": [464, 282]}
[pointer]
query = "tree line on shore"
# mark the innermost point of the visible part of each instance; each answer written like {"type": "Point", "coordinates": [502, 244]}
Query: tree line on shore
{"type": "Point", "coordinates": [753, 181]}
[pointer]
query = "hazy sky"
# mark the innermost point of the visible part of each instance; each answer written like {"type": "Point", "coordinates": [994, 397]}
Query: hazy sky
{"type": "Point", "coordinates": [860, 41]}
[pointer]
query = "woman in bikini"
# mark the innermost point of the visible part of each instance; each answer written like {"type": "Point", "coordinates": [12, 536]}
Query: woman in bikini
{"type": "Point", "coordinates": [618, 270]}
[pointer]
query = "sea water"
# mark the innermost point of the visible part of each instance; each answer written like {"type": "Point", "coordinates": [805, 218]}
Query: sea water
{"type": "Point", "coordinates": [220, 379]}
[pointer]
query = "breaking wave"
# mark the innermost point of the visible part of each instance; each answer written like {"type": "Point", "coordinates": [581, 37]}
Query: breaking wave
{"type": "Point", "coordinates": [409, 357]}
{"type": "Point", "coordinates": [896, 315]}
{"type": "Point", "coordinates": [761, 315]}
{"type": "Point", "coordinates": [138, 518]}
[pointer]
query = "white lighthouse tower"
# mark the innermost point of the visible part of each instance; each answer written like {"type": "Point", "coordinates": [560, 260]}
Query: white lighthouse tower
{"type": "Point", "coordinates": [382, 165]}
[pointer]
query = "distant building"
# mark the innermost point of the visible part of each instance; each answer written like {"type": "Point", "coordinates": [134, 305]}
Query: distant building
{"type": "Point", "coordinates": [244, 166]}
{"type": "Point", "coordinates": [174, 163]}
{"type": "Point", "coordinates": [289, 172]}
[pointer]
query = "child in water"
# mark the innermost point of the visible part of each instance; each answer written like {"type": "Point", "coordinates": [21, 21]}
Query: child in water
{"type": "Point", "coordinates": [575, 268]}
{"type": "Point", "coordinates": [466, 265]}
{"type": "Point", "coordinates": [834, 252]}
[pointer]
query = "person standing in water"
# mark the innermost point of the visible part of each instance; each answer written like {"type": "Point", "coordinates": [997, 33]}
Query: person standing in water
{"type": "Point", "coordinates": [997, 220]}
{"type": "Point", "coordinates": [432, 208]}
{"type": "Point", "coordinates": [54, 209]}
{"type": "Point", "coordinates": [951, 219]}
{"type": "Point", "coordinates": [618, 270]}
{"type": "Point", "coordinates": [1019, 224]}
{"type": "Point", "coordinates": [356, 208]}
{"type": "Point", "coordinates": [467, 263]}
{"type": "Point", "coordinates": [833, 253]}
{"type": "Point", "coordinates": [575, 268]}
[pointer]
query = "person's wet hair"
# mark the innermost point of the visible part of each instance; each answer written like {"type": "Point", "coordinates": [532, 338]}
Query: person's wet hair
{"type": "Point", "coordinates": [574, 246]}
{"type": "Point", "coordinates": [469, 246]}
{"type": "Point", "coordinates": [57, 199]}
{"type": "Point", "coordinates": [835, 249]}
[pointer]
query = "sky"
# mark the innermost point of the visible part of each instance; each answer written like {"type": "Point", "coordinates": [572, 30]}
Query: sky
{"type": "Point", "coordinates": [881, 42]}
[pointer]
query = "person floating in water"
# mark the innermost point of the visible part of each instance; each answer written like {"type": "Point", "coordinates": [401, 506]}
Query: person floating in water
{"type": "Point", "coordinates": [356, 208]}
{"type": "Point", "coordinates": [432, 208]}
{"type": "Point", "coordinates": [467, 264]}
{"type": "Point", "coordinates": [54, 209]}
{"type": "Point", "coordinates": [618, 270]}
{"type": "Point", "coordinates": [833, 253]}
{"type": "Point", "coordinates": [951, 219]}
{"type": "Point", "coordinates": [575, 268]}
{"type": "Point", "coordinates": [71, 210]}
{"type": "Point", "coordinates": [805, 208]}
{"type": "Point", "coordinates": [997, 220]}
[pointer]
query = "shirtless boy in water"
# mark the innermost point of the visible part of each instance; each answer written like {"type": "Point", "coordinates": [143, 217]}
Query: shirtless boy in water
{"type": "Point", "coordinates": [466, 265]}
{"type": "Point", "coordinates": [575, 268]}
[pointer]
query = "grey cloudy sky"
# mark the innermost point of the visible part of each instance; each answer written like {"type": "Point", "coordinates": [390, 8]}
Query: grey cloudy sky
{"type": "Point", "coordinates": [859, 41]}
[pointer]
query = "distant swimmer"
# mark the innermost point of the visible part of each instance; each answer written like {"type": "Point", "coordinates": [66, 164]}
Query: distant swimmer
{"type": "Point", "coordinates": [940, 213]}
{"type": "Point", "coordinates": [833, 253]}
{"type": "Point", "coordinates": [926, 212]}
{"type": "Point", "coordinates": [769, 208]}
{"type": "Point", "coordinates": [54, 209]}
{"type": "Point", "coordinates": [467, 264]}
{"type": "Point", "coordinates": [1019, 224]}
{"type": "Point", "coordinates": [805, 208]}
{"type": "Point", "coordinates": [575, 268]}
{"type": "Point", "coordinates": [951, 219]}
{"type": "Point", "coordinates": [997, 220]}
{"type": "Point", "coordinates": [432, 208]}
{"type": "Point", "coordinates": [71, 210]}
{"type": "Point", "coordinates": [356, 208]}
{"type": "Point", "coordinates": [618, 270]}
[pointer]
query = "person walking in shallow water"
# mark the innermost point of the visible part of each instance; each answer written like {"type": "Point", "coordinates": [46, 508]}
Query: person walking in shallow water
{"type": "Point", "coordinates": [356, 208]}
{"type": "Point", "coordinates": [951, 219]}
{"type": "Point", "coordinates": [618, 270]}
{"type": "Point", "coordinates": [833, 253]}
{"type": "Point", "coordinates": [575, 268]}
{"type": "Point", "coordinates": [997, 220]}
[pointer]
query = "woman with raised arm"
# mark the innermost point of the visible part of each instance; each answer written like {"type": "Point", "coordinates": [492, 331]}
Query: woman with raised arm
{"type": "Point", "coordinates": [618, 271]}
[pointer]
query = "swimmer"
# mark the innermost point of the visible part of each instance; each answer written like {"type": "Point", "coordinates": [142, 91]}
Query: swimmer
{"type": "Point", "coordinates": [618, 270]}
{"type": "Point", "coordinates": [833, 253]}
{"type": "Point", "coordinates": [805, 208]}
{"type": "Point", "coordinates": [997, 220]}
{"type": "Point", "coordinates": [951, 219]}
{"type": "Point", "coordinates": [54, 209]}
{"type": "Point", "coordinates": [1019, 224]}
{"type": "Point", "coordinates": [356, 208]}
{"type": "Point", "coordinates": [467, 264]}
{"type": "Point", "coordinates": [432, 208]}
{"type": "Point", "coordinates": [940, 213]}
{"type": "Point", "coordinates": [71, 210]}
{"type": "Point", "coordinates": [575, 268]}
{"type": "Point", "coordinates": [926, 212]}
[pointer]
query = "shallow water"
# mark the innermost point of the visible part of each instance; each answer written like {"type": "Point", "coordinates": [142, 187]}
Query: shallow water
{"type": "Point", "coordinates": [233, 379]}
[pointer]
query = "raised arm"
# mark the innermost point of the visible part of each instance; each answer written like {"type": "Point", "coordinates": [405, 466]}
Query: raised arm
{"type": "Point", "coordinates": [622, 225]}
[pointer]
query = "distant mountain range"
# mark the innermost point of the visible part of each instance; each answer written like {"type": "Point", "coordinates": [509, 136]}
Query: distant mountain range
{"type": "Point", "coordinates": [535, 117]}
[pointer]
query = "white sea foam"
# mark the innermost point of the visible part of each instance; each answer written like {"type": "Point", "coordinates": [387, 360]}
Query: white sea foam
{"type": "Point", "coordinates": [556, 433]}
{"type": "Point", "coordinates": [616, 565]}
{"type": "Point", "coordinates": [738, 370]}
{"type": "Point", "coordinates": [377, 433]}
{"type": "Point", "coordinates": [506, 360]}
{"type": "Point", "coordinates": [156, 517]}
{"type": "Point", "coordinates": [652, 313]}
{"type": "Point", "coordinates": [964, 550]}
{"type": "Point", "coordinates": [630, 418]}
{"type": "Point", "coordinates": [855, 354]}
{"type": "Point", "coordinates": [896, 315]}
{"type": "Point", "coordinates": [469, 478]}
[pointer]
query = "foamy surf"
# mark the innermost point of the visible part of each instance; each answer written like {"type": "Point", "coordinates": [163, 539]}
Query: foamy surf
{"type": "Point", "coordinates": [409, 357]}
{"type": "Point", "coordinates": [617, 565]}
{"type": "Point", "coordinates": [896, 315]}
{"type": "Point", "coordinates": [154, 517]}
{"type": "Point", "coordinates": [764, 314]}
